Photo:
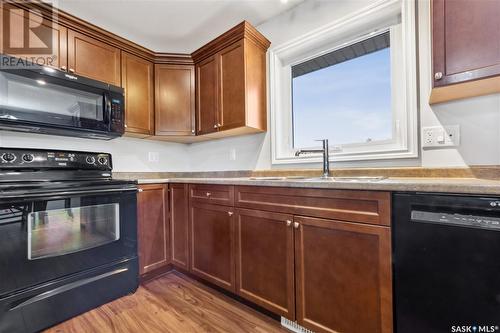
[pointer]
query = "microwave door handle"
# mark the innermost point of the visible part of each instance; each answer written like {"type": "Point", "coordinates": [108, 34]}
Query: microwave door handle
{"type": "Point", "coordinates": [107, 109]}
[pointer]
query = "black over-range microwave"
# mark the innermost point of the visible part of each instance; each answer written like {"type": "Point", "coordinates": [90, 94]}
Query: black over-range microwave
{"type": "Point", "coordinates": [45, 100]}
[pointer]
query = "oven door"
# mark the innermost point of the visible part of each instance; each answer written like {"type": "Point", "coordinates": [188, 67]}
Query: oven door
{"type": "Point", "coordinates": [52, 235]}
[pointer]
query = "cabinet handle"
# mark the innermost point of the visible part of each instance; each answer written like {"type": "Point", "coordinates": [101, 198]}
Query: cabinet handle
{"type": "Point", "coordinates": [126, 126]}
{"type": "Point", "coordinates": [215, 126]}
{"type": "Point", "coordinates": [63, 68]}
{"type": "Point", "coordinates": [438, 76]}
{"type": "Point", "coordinates": [208, 194]}
{"type": "Point", "coordinates": [230, 213]}
{"type": "Point", "coordinates": [219, 125]}
{"type": "Point", "coordinates": [192, 131]}
{"type": "Point", "coordinates": [288, 223]}
{"type": "Point", "coordinates": [296, 225]}
{"type": "Point", "coordinates": [71, 70]}
{"type": "Point", "coordinates": [140, 190]}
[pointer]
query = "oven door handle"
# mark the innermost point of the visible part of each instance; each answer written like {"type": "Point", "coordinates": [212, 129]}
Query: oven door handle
{"type": "Point", "coordinates": [67, 193]}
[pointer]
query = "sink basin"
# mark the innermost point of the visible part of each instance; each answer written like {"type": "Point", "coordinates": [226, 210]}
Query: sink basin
{"type": "Point", "coordinates": [341, 179]}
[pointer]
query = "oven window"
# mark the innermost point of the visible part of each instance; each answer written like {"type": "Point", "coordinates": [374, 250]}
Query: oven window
{"type": "Point", "coordinates": [22, 94]}
{"type": "Point", "coordinates": [61, 231]}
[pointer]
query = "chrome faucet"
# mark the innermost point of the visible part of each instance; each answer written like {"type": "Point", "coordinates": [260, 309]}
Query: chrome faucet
{"type": "Point", "coordinates": [326, 159]}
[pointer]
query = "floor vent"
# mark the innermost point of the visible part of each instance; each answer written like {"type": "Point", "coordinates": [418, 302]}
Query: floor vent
{"type": "Point", "coordinates": [293, 326]}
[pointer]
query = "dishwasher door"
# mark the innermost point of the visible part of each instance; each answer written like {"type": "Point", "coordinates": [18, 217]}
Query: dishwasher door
{"type": "Point", "coordinates": [446, 263]}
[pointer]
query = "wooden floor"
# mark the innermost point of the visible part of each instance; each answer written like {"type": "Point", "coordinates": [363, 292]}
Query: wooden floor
{"type": "Point", "coordinates": [171, 303]}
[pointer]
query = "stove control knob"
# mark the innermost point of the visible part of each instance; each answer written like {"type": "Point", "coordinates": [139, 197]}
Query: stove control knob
{"type": "Point", "coordinates": [28, 158]}
{"type": "Point", "coordinates": [9, 157]}
{"type": "Point", "coordinates": [102, 160]}
{"type": "Point", "coordinates": [90, 159]}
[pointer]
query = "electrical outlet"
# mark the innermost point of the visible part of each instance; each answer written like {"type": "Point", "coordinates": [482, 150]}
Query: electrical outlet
{"type": "Point", "coordinates": [154, 156]}
{"type": "Point", "coordinates": [441, 136]}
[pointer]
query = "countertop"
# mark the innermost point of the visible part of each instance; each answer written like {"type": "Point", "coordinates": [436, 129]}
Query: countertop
{"type": "Point", "coordinates": [445, 185]}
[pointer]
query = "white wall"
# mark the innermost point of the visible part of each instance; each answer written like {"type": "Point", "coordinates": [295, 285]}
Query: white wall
{"type": "Point", "coordinates": [479, 118]}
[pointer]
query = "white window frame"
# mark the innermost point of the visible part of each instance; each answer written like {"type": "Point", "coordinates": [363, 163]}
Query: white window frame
{"type": "Point", "coordinates": [363, 24]}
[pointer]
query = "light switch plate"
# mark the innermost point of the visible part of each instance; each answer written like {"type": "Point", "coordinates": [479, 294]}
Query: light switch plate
{"type": "Point", "coordinates": [441, 136]}
{"type": "Point", "coordinates": [154, 156]}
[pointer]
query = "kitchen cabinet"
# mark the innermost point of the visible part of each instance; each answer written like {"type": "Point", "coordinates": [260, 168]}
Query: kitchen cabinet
{"type": "Point", "coordinates": [174, 100]}
{"type": "Point", "coordinates": [207, 96]}
{"type": "Point", "coordinates": [212, 244]}
{"type": "Point", "coordinates": [231, 83]}
{"type": "Point", "coordinates": [137, 80]}
{"type": "Point", "coordinates": [466, 49]}
{"type": "Point", "coordinates": [92, 58]}
{"type": "Point", "coordinates": [343, 276]}
{"type": "Point", "coordinates": [179, 231]}
{"type": "Point", "coordinates": [49, 46]}
{"type": "Point", "coordinates": [153, 228]}
{"type": "Point", "coordinates": [265, 260]}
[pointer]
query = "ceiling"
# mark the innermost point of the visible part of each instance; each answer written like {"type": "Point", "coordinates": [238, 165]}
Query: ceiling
{"type": "Point", "coordinates": [174, 26]}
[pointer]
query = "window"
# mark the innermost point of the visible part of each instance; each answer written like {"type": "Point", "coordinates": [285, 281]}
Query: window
{"type": "Point", "coordinates": [352, 82]}
{"type": "Point", "coordinates": [344, 95]}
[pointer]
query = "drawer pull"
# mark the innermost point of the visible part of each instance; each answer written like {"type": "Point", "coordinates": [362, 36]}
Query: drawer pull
{"type": "Point", "coordinates": [296, 225]}
{"type": "Point", "coordinates": [288, 223]}
{"type": "Point", "coordinates": [230, 213]}
{"type": "Point", "coordinates": [208, 194]}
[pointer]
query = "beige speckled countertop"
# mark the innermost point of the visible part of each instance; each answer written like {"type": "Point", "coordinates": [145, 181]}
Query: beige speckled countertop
{"type": "Point", "coordinates": [446, 185]}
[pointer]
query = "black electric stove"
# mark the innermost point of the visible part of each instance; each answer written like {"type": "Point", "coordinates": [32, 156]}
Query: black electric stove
{"type": "Point", "coordinates": [68, 236]}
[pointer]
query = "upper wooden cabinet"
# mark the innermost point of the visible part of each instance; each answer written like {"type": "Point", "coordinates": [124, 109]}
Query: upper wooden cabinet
{"type": "Point", "coordinates": [92, 58]}
{"type": "Point", "coordinates": [231, 83]}
{"type": "Point", "coordinates": [466, 48]}
{"type": "Point", "coordinates": [174, 100]}
{"type": "Point", "coordinates": [137, 80]}
{"type": "Point", "coordinates": [207, 91]}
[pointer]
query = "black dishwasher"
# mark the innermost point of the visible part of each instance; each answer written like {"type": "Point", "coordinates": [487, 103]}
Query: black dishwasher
{"type": "Point", "coordinates": [446, 263]}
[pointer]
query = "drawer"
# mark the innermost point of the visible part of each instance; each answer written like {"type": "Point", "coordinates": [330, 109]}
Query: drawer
{"type": "Point", "coordinates": [213, 194]}
{"type": "Point", "coordinates": [371, 207]}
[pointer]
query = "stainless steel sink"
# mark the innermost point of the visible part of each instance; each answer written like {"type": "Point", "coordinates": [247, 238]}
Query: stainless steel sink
{"type": "Point", "coordinates": [326, 179]}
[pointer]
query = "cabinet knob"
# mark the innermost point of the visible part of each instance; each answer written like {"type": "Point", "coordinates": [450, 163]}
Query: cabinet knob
{"type": "Point", "coordinates": [438, 76]}
{"type": "Point", "coordinates": [192, 131]}
{"type": "Point", "coordinates": [140, 190]}
{"type": "Point", "coordinates": [230, 213]}
{"type": "Point", "coordinates": [288, 223]}
{"type": "Point", "coordinates": [63, 68]}
{"type": "Point", "coordinates": [219, 125]}
{"type": "Point", "coordinates": [126, 126]}
{"type": "Point", "coordinates": [71, 70]}
{"type": "Point", "coordinates": [296, 225]}
{"type": "Point", "coordinates": [208, 194]}
{"type": "Point", "coordinates": [215, 126]}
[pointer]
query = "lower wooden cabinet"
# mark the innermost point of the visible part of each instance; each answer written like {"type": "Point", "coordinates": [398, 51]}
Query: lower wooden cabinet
{"type": "Point", "coordinates": [343, 276]}
{"type": "Point", "coordinates": [265, 260]}
{"type": "Point", "coordinates": [212, 244]}
{"type": "Point", "coordinates": [179, 232]}
{"type": "Point", "coordinates": [153, 227]}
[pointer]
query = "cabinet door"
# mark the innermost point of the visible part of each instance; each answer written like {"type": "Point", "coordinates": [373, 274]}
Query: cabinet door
{"type": "Point", "coordinates": [137, 80]}
{"type": "Point", "coordinates": [343, 276]}
{"type": "Point", "coordinates": [179, 225]}
{"type": "Point", "coordinates": [48, 45]}
{"type": "Point", "coordinates": [212, 230]}
{"type": "Point", "coordinates": [466, 40]}
{"type": "Point", "coordinates": [93, 59]}
{"type": "Point", "coordinates": [232, 84]}
{"type": "Point", "coordinates": [175, 100]}
{"type": "Point", "coordinates": [265, 260]}
{"type": "Point", "coordinates": [207, 89]}
{"type": "Point", "coordinates": [153, 231]}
